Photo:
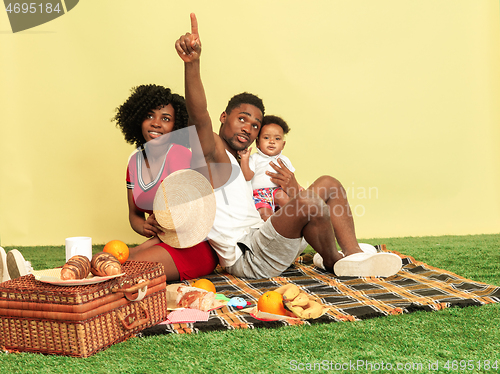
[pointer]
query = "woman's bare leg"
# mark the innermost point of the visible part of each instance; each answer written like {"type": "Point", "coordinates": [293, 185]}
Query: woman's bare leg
{"type": "Point", "coordinates": [155, 253]}
{"type": "Point", "coordinates": [148, 243]}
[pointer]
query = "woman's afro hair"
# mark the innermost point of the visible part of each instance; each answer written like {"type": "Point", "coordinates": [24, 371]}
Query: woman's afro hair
{"type": "Point", "coordinates": [142, 101]}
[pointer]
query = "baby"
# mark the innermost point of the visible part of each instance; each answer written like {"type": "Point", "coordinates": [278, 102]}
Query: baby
{"type": "Point", "coordinates": [268, 196]}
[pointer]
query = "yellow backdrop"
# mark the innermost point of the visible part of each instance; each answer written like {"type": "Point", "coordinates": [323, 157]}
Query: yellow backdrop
{"type": "Point", "coordinates": [398, 99]}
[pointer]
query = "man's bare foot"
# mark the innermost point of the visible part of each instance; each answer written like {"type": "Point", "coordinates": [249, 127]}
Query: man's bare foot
{"type": "Point", "coordinates": [362, 247]}
{"type": "Point", "coordinates": [351, 251]}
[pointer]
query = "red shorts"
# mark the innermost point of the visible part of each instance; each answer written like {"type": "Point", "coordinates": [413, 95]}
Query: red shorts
{"type": "Point", "coordinates": [193, 262]}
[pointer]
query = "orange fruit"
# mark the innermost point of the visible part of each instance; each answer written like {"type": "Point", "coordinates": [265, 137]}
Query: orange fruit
{"type": "Point", "coordinates": [272, 302]}
{"type": "Point", "coordinates": [204, 284]}
{"type": "Point", "coordinates": [118, 249]}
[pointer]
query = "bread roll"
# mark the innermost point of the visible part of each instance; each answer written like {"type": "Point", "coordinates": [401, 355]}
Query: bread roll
{"type": "Point", "coordinates": [77, 267]}
{"type": "Point", "coordinates": [191, 297]}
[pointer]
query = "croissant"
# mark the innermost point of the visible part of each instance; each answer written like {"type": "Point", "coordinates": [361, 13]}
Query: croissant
{"type": "Point", "coordinates": [104, 264]}
{"type": "Point", "coordinates": [77, 267]}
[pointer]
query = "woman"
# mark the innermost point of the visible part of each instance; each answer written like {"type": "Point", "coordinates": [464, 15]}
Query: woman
{"type": "Point", "coordinates": [152, 119]}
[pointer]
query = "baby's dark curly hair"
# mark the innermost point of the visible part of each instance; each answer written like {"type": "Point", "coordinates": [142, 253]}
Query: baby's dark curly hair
{"type": "Point", "coordinates": [244, 98]}
{"type": "Point", "coordinates": [142, 101]}
{"type": "Point", "coordinates": [267, 120]}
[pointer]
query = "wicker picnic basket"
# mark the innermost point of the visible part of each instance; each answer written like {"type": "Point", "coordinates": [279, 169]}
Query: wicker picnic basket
{"type": "Point", "coordinates": [81, 320]}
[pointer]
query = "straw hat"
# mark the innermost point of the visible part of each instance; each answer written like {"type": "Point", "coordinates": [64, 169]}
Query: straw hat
{"type": "Point", "coordinates": [184, 206]}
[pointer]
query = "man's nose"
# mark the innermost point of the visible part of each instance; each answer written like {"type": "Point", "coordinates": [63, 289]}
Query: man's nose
{"type": "Point", "coordinates": [246, 128]}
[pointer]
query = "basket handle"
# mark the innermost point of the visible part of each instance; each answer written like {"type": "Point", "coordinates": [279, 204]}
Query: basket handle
{"type": "Point", "coordinates": [141, 286]}
{"type": "Point", "coordinates": [137, 321]}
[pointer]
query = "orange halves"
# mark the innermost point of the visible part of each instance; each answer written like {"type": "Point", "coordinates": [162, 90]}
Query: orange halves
{"type": "Point", "coordinates": [272, 302]}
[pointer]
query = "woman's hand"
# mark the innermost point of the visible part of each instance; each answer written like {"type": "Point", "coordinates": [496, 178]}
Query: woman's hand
{"type": "Point", "coordinates": [188, 46]}
{"type": "Point", "coordinates": [284, 178]}
{"type": "Point", "coordinates": [151, 227]}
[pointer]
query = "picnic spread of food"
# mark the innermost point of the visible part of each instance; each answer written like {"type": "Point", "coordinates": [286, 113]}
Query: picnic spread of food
{"type": "Point", "coordinates": [87, 305]}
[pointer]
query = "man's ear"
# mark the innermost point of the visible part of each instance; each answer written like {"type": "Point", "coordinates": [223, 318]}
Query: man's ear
{"type": "Point", "coordinates": [223, 117]}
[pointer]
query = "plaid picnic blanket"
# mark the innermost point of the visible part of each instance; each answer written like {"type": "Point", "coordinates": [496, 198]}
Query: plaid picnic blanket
{"type": "Point", "coordinates": [417, 286]}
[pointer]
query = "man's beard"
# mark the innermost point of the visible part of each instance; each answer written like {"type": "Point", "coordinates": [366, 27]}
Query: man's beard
{"type": "Point", "coordinates": [237, 145]}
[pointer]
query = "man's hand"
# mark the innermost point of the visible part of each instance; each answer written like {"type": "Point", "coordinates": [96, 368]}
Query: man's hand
{"type": "Point", "coordinates": [284, 178]}
{"type": "Point", "coordinates": [188, 46]}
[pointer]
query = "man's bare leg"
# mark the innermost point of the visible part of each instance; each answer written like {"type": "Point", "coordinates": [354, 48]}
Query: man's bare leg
{"type": "Point", "coordinates": [307, 215]}
{"type": "Point", "coordinates": [333, 194]}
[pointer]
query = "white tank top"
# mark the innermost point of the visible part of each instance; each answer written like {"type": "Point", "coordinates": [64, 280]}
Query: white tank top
{"type": "Point", "coordinates": [235, 215]}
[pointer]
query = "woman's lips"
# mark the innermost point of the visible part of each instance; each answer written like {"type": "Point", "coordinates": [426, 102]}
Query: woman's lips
{"type": "Point", "coordinates": [154, 134]}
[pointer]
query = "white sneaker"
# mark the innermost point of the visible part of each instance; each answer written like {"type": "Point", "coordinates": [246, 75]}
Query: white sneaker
{"type": "Point", "coordinates": [16, 264]}
{"type": "Point", "coordinates": [368, 265]}
{"type": "Point", "coordinates": [367, 248]}
{"type": "Point", "coordinates": [4, 271]}
{"type": "Point", "coordinates": [318, 261]}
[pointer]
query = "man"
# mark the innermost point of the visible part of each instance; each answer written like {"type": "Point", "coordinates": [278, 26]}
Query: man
{"type": "Point", "coordinates": [246, 245]}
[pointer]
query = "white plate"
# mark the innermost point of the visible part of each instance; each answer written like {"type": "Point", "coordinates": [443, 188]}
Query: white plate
{"type": "Point", "coordinates": [53, 276]}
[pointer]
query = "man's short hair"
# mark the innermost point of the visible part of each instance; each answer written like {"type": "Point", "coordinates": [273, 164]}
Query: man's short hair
{"type": "Point", "coordinates": [267, 120]}
{"type": "Point", "coordinates": [244, 98]}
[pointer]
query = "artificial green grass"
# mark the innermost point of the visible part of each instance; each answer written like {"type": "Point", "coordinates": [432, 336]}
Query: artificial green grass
{"type": "Point", "coordinates": [411, 341]}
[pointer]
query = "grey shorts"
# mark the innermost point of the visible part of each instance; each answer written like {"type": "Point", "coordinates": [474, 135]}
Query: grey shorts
{"type": "Point", "coordinates": [266, 253]}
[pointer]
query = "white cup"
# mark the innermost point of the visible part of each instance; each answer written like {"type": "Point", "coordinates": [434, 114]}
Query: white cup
{"type": "Point", "coordinates": [79, 245]}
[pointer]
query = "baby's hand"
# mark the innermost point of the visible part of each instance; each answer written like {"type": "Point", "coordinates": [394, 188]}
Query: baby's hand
{"type": "Point", "coordinates": [245, 154]}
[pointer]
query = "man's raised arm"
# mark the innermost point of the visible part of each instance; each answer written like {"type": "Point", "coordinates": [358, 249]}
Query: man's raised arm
{"type": "Point", "coordinates": [188, 47]}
